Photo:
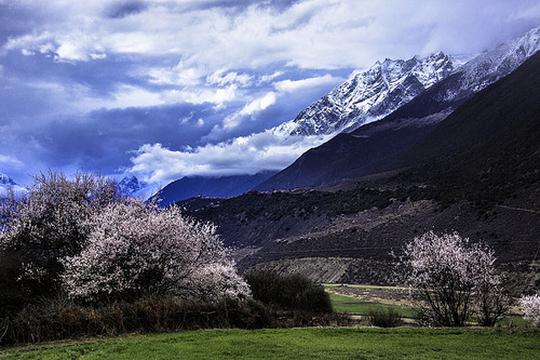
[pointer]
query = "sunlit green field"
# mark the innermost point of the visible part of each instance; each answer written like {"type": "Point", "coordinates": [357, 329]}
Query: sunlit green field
{"type": "Point", "coordinates": [351, 305]}
{"type": "Point", "coordinates": [312, 343]}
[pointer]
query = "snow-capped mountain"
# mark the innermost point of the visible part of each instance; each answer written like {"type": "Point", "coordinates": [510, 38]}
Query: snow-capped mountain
{"type": "Point", "coordinates": [6, 180]}
{"type": "Point", "coordinates": [131, 186]}
{"type": "Point", "coordinates": [8, 186]}
{"type": "Point", "coordinates": [492, 65]}
{"type": "Point", "coordinates": [389, 144]}
{"type": "Point", "coordinates": [370, 95]}
{"type": "Point", "coordinates": [376, 92]}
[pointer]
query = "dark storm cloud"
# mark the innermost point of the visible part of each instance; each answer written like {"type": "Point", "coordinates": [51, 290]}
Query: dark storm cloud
{"type": "Point", "coordinates": [102, 141]}
{"type": "Point", "coordinates": [122, 9]}
{"type": "Point", "coordinates": [237, 5]}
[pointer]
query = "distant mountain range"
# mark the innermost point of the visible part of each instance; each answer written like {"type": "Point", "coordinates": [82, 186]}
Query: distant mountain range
{"type": "Point", "coordinates": [7, 186]}
{"type": "Point", "coordinates": [131, 186]}
{"type": "Point", "coordinates": [367, 96]}
{"type": "Point", "coordinates": [380, 146]}
{"type": "Point", "coordinates": [216, 187]}
{"type": "Point", "coordinates": [378, 114]}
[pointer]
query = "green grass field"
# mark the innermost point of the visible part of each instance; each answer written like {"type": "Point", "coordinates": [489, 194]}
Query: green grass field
{"type": "Point", "coordinates": [352, 305]}
{"type": "Point", "coordinates": [314, 343]}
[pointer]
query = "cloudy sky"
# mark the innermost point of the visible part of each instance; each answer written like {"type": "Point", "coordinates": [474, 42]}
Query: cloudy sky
{"type": "Point", "coordinates": [169, 88]}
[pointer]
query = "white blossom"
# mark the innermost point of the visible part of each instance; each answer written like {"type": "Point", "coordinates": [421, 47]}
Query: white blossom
{"type": "Point", "coordinates": [531, 308]}
{"type": "Point", "coordinates": [455, 279]}
{"type": "Point", "coordinates": [134, 249]}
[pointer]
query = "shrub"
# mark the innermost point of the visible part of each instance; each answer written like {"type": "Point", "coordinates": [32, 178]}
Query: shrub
{"type": "Point", "coordinates": [384, 318]}
{"type": "Point", "coordinates": [12, 298]}
{"type": "Point", "coordinates": [455, 279]}
{"type": "Point", "coordinates": [531, 308]}
{"type": "Point", "coordinates": [55, 320]}
{"type": "Point", "coordinates": [294, 292]}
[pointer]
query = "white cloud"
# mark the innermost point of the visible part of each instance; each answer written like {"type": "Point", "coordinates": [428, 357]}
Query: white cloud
{"type": "Point", "coordinates": [243, 155]}
{"type": "Point", "coordinates": [294, 85]}
{"type": "Point", "coordinates": [199, 122]}
{"type": "Point", "coordinates": [178, 75]}
{"type": "Point", "coordinates": [7, 160]}
{"type": "Point", "coordinates": [132, 96]}
{"type": "Point", "coordinates": [259, 104]}
{"type": "Point", "coordinates": [234, 120]}
{"type": "Point", "coordinates": [222, 78]}
{"type": "Point", "coordinates": [318, 34]}
{"type": "Point", "coordinates": [269, 77]}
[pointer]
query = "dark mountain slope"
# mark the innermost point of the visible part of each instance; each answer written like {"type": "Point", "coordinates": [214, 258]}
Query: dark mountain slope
{"type": "Point", "coordinates": [374, 147]}
{"type": "Point", "coordinates": [221, 187]}
{"type": "Point", "coordinates": [489, 146]}
{"type": "Point", "coordinates": [370, 149]}
{"type": "Point", "coordinates": [346, 236]}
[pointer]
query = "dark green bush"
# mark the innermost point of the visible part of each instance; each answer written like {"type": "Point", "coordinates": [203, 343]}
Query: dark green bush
{"type": "Point", "coordinates": [55, 320]}
{"type": "Point", "coordinates": [384, 318]}
{"type": "Point", "coordinates": [292, 292]}
{"type": "Point", "coordinates": [12, 298]}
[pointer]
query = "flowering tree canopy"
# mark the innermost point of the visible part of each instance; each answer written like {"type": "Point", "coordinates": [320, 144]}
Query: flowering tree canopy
{"type": "Point", "coordinates": [50, 223]}
{"type": "Point", "coordinates": [134, 249]}
{"type": "Point", "coordinates": [531, 308]}
{"type": "Point", "coordinates": [454, 278]}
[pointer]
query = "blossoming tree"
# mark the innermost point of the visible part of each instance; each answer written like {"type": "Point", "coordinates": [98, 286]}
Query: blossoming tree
{"type": "Point", "coordinates": [455, 279]}
{"type": "Point", "coordinates": [531, 308]}
{"type": "Point", "coordinates": [50, 223]}
{"type": "Point", "coordinates": [136, 249]}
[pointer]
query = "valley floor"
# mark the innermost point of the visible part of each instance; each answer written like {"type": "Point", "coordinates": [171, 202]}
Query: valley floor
{"type": "Point", "coordinates": [300, 343]}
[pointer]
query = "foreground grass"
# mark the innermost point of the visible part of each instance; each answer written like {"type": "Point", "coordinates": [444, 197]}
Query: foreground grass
{"type": "Point", "coordinates": [313, 343]}
{"type": "Point", "coordinates": [352, 305]}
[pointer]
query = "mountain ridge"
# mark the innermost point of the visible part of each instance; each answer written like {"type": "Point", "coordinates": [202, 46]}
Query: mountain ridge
{"type": "Point", "coordinates": [220, 187]}
{"type": "Point", "coordinates": [377, 146]}
{"type": "Point", "coordinates": [369, 94]}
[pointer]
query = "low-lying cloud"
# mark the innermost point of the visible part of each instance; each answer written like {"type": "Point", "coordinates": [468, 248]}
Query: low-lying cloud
{"type": "Point", "coordinates": [267, 150]}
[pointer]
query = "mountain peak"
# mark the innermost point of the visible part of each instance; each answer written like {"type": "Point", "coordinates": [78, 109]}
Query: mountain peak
{"type": "Point", "coordinates": [8, 186]}
{"type": "Point", "coordinates": [130, 185]}
{"type": "Point", "coordinates": [370, 95]}
{"type": "Point", "coordinates": [6, 180]}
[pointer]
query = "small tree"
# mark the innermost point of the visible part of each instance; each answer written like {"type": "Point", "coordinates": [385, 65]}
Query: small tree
{"type": "Point", "coordinates": [491, 300]}
{"type": "Point", "coordinates": [48, 224]}
{"type": "Point", "coordinates": [455, 279]}
{"type": "Point", "coordinates": [531, 308]}
{"type": "Point", "coordinates": [135, 249]}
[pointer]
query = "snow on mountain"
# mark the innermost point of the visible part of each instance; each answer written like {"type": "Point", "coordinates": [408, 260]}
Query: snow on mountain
{"type": "Point", "coordinates": [370, 95]}
{"type": "Point", "coordinates": [8, 186]}
{"type": "Point", "coordinates": [492, 65]}
{"type": "Point", "coordinates": [131, 186]}
{"type": "Point", "coordinates": [375, 147]}
{"type": "Point", "coordinates": [6, 180]}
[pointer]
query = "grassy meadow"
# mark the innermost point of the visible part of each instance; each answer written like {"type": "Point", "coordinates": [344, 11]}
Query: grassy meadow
{"type": "Point", "coordinates": [351, 305]}
{"type": "Point", "coordinates": [362, 299]}
{"type": "Point", "coordinates": [299, 343]}
{"type": "Point", "coordinates": [308, 343]}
